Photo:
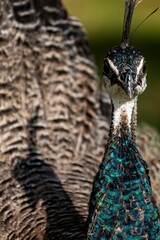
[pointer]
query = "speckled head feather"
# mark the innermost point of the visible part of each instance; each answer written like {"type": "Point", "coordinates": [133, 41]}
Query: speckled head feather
{"type": "Point", "coordinates": [125, 66]}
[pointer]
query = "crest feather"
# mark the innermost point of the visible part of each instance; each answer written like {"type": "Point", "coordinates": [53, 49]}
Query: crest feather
{"type": "Point", "coordinates": [129, 9]}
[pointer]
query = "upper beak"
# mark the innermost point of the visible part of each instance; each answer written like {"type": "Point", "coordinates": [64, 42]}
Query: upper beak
{"type": "Point", "coordinates": [127, 81]}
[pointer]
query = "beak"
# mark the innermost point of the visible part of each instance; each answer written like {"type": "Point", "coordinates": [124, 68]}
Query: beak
{"type": "Point", "coordinates": [127, 82]}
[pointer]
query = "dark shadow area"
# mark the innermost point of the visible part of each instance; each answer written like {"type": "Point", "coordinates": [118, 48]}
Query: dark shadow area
{"type": "Point", "coordinates": [40, 182]}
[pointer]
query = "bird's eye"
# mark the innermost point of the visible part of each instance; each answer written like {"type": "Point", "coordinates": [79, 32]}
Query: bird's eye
{"type": "Point", "coordinates": [139, 82]}
{"type": "Point", "coordinates": [144, 69]}
{"type": "Point", "coordinates": [106, 68]}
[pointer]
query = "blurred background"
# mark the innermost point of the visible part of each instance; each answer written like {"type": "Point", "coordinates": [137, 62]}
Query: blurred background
{"type": "Point", "coordinates": [103, 21]}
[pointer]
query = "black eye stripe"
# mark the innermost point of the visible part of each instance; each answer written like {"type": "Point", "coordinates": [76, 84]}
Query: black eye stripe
{"type": "Point", "coordinates": [108, 72]}
{"type": "Point", "coordinates": [106, 68]}
{"type": "Point", "coordinates": [144, 69]}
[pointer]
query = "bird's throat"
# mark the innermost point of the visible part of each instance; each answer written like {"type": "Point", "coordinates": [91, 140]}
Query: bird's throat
{"type": "Point", "coordinates": [123, 117]}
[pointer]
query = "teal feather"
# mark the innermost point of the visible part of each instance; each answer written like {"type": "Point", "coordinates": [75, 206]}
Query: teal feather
{"type": "Point", "coordinates": [122, 206]}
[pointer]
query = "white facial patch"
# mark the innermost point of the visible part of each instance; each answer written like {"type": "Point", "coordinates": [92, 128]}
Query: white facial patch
{"type": "Point", "coordinates": [140, 66]}
{"type": "Point", "coordinates": [140, 88]}
{"type": "Point", "coordinates": [114, 68]}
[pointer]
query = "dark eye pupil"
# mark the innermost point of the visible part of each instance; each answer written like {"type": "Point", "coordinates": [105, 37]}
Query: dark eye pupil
{"type": "Point", "coordinates": [144, 68]}
{"type": "Point", "coordinates": [106, 68]}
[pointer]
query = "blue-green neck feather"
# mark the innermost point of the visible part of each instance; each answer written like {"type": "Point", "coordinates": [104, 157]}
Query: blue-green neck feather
{"type": "Point", "coordinates": [121, 205]}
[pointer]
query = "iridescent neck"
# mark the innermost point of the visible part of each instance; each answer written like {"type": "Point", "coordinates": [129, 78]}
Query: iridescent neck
{"type": "Point", "coordinates": [121, 204]}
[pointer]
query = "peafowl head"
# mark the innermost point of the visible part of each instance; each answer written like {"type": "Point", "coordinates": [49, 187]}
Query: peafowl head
{"type": "Point", "coordinates": [124, 72]}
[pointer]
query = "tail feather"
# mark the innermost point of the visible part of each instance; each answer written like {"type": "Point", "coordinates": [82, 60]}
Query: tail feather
{"type": "Point", "coordinates": [29, 14]}
{"type": "Point", "coordinates": [25, 13]}
{"type": "Point", "coordinates": [50, 11]}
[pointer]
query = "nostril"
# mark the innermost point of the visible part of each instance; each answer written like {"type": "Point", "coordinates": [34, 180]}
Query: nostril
{"type": "Point", "coordinates": [123, 76]}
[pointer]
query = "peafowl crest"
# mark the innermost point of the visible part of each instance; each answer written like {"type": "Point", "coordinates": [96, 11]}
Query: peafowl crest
{"type": "Point", "coordinates": [122, 205]}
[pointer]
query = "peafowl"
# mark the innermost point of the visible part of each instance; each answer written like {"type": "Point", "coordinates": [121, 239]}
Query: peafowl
{"type": "Point", "coordinates": [53, 124]}
{"type": "Point", "coordinates": [122, 204]}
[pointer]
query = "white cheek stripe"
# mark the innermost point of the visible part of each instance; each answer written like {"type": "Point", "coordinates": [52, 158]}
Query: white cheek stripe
{"type": "Point", "coordinates": [114, 68]}
{"type": "Point", "coordinates": [140, 66]}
